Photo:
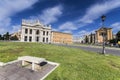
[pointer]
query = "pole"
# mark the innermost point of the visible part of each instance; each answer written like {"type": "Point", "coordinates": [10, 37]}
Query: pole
{"type": "Point", "coordinates": [103, 51]}
{"type": "Point", "coordinates": [103, 34]}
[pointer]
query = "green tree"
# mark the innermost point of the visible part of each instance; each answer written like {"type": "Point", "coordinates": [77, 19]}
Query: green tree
{"type": "Point", "coordinates": [86, 39]}
{"type": "Point", "coordinates": [118, 36]}
{"type": "Point", "coordinates": [113, 41]}
{"type": "Point", "coordinates": [0, 37]}
{"type": "Point", "coordinates": [6, 36]}
{"type": "Point", "coordinates": [91, 38]}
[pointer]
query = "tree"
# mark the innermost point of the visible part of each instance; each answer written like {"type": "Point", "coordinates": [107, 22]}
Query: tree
{"type": "Point", "coordinates": [0, 37]}
{"type": "Point", "coordinates": [6, 36]}
{"type": "Point", "coordinates": [86, 39]}
{"type": "Point", "coordinates": [118, 36]}
{"type": "Point", "coordinates": [113, 41]}
{"type": "Point", "coordinates": [91, 38]}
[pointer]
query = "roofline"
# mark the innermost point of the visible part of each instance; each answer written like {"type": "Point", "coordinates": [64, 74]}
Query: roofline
{"type": "Point", "coordinates": [101, 27]}
{"type": "Point", "coordinates": [61, 32]}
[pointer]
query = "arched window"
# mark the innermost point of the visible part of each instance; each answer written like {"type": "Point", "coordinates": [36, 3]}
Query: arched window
{"type": "Point", "coordinates": [30, 31]}
{"type": "Point", "coordinates": [26, 31]}
{"type": "Point", "coordinates": [37, 32]}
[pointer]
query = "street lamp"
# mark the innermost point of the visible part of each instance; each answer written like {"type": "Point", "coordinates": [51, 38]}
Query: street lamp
{"type": "Point", "coordinates": [103, 17]}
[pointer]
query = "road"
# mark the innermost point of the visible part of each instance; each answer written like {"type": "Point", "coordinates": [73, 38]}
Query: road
{"type": "Point", "coordinates": [98, 49]}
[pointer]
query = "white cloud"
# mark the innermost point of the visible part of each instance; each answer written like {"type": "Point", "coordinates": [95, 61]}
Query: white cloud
{"type": "Point", "coordinates": [67, 31]}
{"type": "Point", "coordinates": [2, 30]}
{"type": "Point", "coordinates": [15, 28]}
{"type": "Point", "coordinates": [85, 32]}
{"type": "Point", "coordinates": [49, 15]}
{"type": "Point", "coordinates": [92, 13]}
{"type": "Point", "coordinates": [54, 29]}
{"type": "Point", "coordinates": [11, 7]}
{"type": "Point", "coordinates": [116, 27]}
{"type": "Point", "coordinates": [97, 10]}
{"type": "Point", "coordinates": [68, 26]}
{"type": "Point", "coordinates": [5, 22]}
{"type": "Point", "coordinates": [7, 7]}
{"type": "Point", "coordinates": [4, 25]}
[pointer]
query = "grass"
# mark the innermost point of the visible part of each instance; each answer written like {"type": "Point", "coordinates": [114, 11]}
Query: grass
{"type": "Point", "coordinates": [75, 64]}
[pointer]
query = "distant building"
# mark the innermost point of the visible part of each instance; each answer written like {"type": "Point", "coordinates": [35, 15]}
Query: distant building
{"type": "Point", "coordinates": [98, 36]}
{"type": "Point", "coordinates": [108, 34]}
{"type": "Point", "coordinates": [78, 39]}
{"type": "Point", "coordinates": [35, 32]}
{"type": "Point", "coordinates": [114, 36]}
{"type": "Point", "coordinates": [16, 34]}
{"type": "Point", "coordinates": [62, 38]}
{"type": "Point", "coordinates": [91, 38]}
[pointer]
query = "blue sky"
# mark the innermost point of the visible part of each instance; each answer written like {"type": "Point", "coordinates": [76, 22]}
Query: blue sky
{"type": "Point", "coordinates": [78, 17]}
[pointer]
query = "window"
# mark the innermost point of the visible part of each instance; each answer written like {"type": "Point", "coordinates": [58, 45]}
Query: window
{"type": "Point", "coordinates": [47, 33]}
{"type": "Point", "coordinates": [30, 31]}
{"type": "Point", "coordinates": [25, 38]}
{"type": "Point", "coordinates": [46, 39]}
{"type": "Point", "coordinates": [37, 32]}
{"type": "Point", "coordinates": [26, 31]}
{"type": "Point", "coordinates": [37, 39]}
{"type": "Point", "coordinates": [43, 32]}
{"type": "Point", "coordinates": [43, 39]}
{"type": "Point", "coordinates": [30, 38]}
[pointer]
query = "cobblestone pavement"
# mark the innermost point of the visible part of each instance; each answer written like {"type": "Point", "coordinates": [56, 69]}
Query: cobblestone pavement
{"type": "Point", "coordinates": [16, 72]}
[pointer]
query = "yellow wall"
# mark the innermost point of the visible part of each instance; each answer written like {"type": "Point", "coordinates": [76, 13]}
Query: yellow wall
{"type": "Point", "coordinates": [108, 35]}
{"type": "Point", "coordinates": [59, 37]}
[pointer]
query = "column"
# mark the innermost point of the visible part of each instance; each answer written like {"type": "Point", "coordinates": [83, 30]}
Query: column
{"type": "Point", "coordinates": [49, 36]}
{"type": "Point", "coordinates": [33, 35]}
{"type": "Point", "coordinates": [33, 66]}
{"type": "Point", "coordinates": [28, 34]}
{"type": "Point", "coordinates": [22, 34]}
{"type": "Point", "coordinates": [23, 62]}
{"type": "Point", "coordinates": [41, 35]}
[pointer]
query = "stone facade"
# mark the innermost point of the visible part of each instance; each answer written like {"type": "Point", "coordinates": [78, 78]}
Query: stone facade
{"type": "Point", "coordinates": [34, 31]}
{"type": "Point", "coordinates": [107, 34]}
{"type": "Point", "coordinates": [91, 38]}
{"type": "Point", "coordinates": [62, 38]}
{"type": "Point", "coordinates": [17, 34]}
{"type": "Point", "coordinates": [98, 36]}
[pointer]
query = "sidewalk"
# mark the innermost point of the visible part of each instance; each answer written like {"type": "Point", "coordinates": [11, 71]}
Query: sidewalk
{"type": "Point", "coordinates": [95, 46]}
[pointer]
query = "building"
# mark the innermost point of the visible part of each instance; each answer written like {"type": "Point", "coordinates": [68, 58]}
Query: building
{"type": "Point", "coordinates": [114, 36]}
{"type": "Point", "coordinates": [91, 38]}
{"type": "Point", "coordinates": [62, 38]}
{"type": "Point", "coordinates": [17, 35]}
{"type": "Point", "coordinates": [34, 31]}
{"type": "Point", "coordinates": [107, 34]}
{"type": "Point", "coordinates": [98, 36]}
{"type": "Point", "coordinates": [78, 39]}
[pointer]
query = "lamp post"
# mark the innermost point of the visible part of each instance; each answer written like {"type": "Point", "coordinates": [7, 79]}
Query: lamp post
{"type": "Point", "coordinates": [103, 17]}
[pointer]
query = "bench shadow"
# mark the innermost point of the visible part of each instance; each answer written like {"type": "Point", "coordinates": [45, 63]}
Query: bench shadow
{"type": "Point", "coordinates": [43, 63]}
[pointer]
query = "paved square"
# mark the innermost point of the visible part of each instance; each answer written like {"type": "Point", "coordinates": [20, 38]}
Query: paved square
{"type": "Point", "coordinates": [15, 71]}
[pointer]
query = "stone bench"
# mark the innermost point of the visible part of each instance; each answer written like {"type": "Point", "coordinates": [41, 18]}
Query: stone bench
{"type": "Point", "coordinates": [34, 60]}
